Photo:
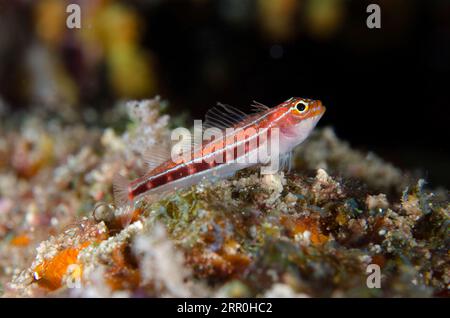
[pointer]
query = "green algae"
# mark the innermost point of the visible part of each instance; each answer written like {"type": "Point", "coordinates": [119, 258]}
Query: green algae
{"type": "Point", "coordinates": [236, 210]}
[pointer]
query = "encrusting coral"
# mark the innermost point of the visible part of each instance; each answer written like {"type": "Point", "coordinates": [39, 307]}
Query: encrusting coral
{"type": "Point", "coordinates": [310, 232]}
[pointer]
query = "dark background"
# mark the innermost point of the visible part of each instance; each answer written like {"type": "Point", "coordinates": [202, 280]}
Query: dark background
{"type": "Point", "coordinates": [386, 90]}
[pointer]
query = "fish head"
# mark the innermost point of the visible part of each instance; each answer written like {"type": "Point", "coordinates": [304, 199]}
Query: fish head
{"type": "Point", "coordinates": [302, 115]}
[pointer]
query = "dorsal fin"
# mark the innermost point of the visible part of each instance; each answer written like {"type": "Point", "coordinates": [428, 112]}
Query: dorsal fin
{"type": "Point", "coordinates": [223, 116]}
{"type": "Point", "coordinates": [155, 155]}
{"type": "Point", "coordinates": [259, 107]}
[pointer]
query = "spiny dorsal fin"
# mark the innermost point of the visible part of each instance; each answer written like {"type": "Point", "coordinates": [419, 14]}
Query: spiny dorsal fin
{"type": "Point", "coordinates": [223, 116]}
{"type": "Point", "coordinates": [120, 190]}
{"type": "Point", "coordinates": [259, 107]}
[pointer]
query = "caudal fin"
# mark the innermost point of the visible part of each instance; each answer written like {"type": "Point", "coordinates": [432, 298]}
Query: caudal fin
{"type": "Point", "coordinates": [120, 190]}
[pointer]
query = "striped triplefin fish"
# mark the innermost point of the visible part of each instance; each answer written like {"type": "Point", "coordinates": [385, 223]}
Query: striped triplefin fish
{"type": "Point", "coordinates": [231, 140]}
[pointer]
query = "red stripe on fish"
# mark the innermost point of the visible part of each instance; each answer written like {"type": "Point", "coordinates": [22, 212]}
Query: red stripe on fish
{"type": "Point", "coordinates": [294, 119]}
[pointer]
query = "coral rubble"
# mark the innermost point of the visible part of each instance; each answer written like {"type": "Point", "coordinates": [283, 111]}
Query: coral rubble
{"type": "Point", "coordinates": [307, 233]}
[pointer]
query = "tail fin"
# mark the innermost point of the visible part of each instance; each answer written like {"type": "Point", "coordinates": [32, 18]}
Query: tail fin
{"type": "Point", "coordinates": [120, 189]}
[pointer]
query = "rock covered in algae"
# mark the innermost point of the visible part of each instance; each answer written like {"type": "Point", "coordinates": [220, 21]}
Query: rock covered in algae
{"type": "Point", "coordinates": [307, 233]}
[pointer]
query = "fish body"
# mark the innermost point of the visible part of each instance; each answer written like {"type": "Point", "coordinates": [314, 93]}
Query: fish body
{"type": "Point", "coordinates": [233, 140]}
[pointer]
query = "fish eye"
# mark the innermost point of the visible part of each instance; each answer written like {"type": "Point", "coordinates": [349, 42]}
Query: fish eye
{"type": "Point", "coordinates": [301, 107]}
